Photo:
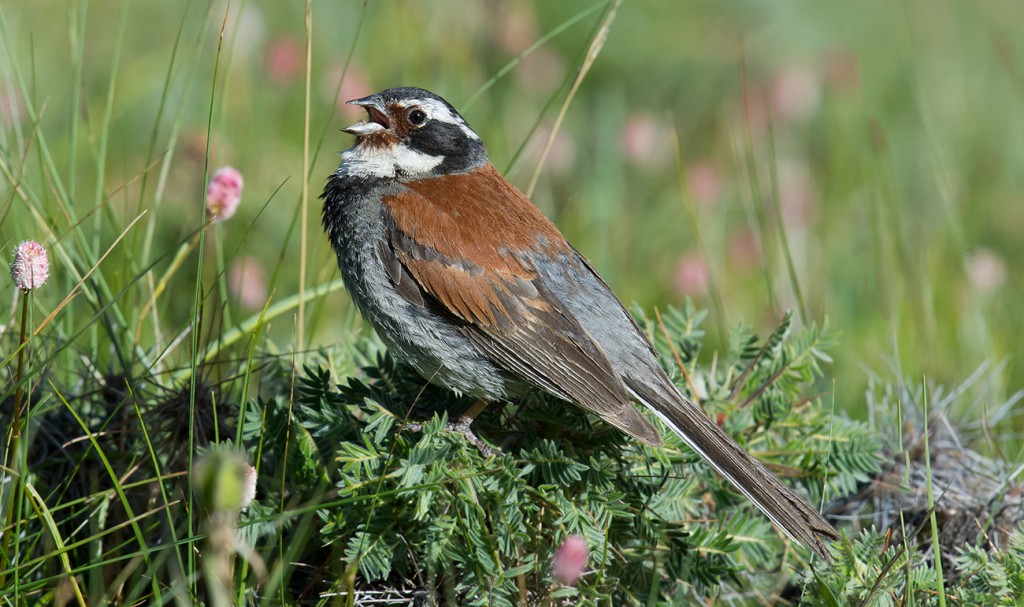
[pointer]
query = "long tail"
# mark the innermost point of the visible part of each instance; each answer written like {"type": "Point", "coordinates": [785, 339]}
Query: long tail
{"type": "Point", "coordinates": [778, 502]}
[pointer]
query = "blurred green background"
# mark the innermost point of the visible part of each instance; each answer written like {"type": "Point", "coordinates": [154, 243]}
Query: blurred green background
{"type": "Point", "coordinates": [880, 143]}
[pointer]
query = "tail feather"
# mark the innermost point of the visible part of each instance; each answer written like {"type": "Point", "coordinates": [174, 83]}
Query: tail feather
{"type": "Point", "coordinates": [777, 501]}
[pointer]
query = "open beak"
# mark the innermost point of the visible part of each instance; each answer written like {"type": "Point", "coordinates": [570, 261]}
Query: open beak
{"type": "Point", "coordinates": [376, 122]}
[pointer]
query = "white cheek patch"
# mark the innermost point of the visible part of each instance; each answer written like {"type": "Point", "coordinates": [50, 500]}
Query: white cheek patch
{"type": "Point", "coordinates": [377, 161]}
{"type": "Point", "coordinates": [439, 111]}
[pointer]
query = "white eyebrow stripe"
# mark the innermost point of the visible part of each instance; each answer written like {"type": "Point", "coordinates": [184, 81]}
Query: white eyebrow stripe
{"type": "Point", "coordinates": [440, 112]}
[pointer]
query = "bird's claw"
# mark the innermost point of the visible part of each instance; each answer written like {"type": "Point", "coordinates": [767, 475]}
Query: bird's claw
{"type": "Point", "coordinates": [462, 426]}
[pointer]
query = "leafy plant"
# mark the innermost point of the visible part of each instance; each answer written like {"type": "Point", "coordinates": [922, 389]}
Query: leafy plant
{"type": "Point", "coordinates": [425, 509]}
{"type": "Point", "coordinates": [867, 573]}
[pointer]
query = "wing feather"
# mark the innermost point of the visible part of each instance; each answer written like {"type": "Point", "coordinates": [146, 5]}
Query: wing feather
{"type": "Point", "coordinates": [511, 315]}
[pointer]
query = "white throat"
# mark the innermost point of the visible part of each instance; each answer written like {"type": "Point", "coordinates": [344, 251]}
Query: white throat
{"type": "Point", "coordinates": [376, 161]}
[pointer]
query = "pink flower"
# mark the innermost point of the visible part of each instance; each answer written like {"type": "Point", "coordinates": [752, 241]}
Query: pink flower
{"type": "Point", "coordinates": [356, 84]}
{"type": "Point", "coordinates": [691, 275]}
{"type": "Point", "coordinates": [644, 141]}
{"type": "Point", "coordinates": [283, 60]}
{"type": "Point", "coordinates": [224, 193]}
{"type": "Point", "coordinates": [796, 93]}
{"type": "Point", "coordinates": [247, 282]}
{"type": "Point", "coordinates": [744, 249]}
{"type": "Point", "coordinates": [31, 267]}
{"type": "Point", "coordinates": [705, 182]}
{"type": "Point", "coordinates": [570, 560]}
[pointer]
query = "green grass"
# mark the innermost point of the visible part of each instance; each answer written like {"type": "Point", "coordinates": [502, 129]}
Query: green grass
{"type": "Point", "coordinates": [906, 163]}
{"type": "Point", "coordinates": [856, 163]}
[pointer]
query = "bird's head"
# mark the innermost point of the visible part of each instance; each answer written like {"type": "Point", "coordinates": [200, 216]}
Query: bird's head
{"type": "Point", "coordinates": [411, 133]}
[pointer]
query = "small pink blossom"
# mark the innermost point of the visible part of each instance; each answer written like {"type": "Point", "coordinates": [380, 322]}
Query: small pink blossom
{"type": "Point", "coordinates": [691, 275]}
{"type": "Point", "coordinates": [283, 60]}
{"type": "Point", "coordinates": [744, 249]}
{"type": "Point", "coordinates": [645, 142]}
{"type": "Point", "coordinates": [224, 193]}
{"type": "Point", "coordinates": [31, 267]}
{"type": "Point", "coordinates": [247, 282]}
{"type": "Point", "coordinates": [570, 560]}
{"type": "Point", "coordinates": [796, 93]}
{"type": "Point", "coordinates": [705, 182]}
{"type": "Point", "coordinates": [355, 85]}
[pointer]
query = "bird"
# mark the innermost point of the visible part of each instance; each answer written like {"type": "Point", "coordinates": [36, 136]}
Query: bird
{"type": "Point", "coordinates": [465, 279]}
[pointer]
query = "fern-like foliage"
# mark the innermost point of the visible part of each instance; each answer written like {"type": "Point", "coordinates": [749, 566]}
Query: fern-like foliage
{"type": "Point", "coordinates": [418, 506]}
{"type": "Point", "coordinates": [364, 497]}
{"type": "Point", "coordinates": [865, 574]}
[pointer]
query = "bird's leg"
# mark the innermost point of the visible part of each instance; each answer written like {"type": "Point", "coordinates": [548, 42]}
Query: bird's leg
{"type": "Point", "coordinates": [462, 426]}
{"type": "Point", "coordinates": [470, 414]}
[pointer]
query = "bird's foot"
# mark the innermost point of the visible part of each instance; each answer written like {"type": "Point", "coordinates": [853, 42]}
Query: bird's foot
{"type": "Point", "coordinates": [462, 426]}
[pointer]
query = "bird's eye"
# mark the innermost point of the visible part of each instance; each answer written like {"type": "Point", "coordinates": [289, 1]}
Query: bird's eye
{"type": "Point", "coordinates": [417, 117]}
